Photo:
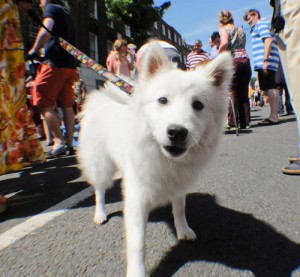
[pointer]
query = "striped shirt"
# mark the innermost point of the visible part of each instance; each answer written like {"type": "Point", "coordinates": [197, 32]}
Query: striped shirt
{"type": "Point", "coordinates": [193, 59]}
{"type": "Point", "coordinates": [261, 31]}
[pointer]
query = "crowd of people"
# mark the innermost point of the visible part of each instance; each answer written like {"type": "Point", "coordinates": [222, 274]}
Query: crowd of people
{"type": "Point", "coordinates": [57, 84]}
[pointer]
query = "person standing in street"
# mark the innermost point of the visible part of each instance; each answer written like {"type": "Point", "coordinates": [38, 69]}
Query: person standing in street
{"type": "Point", "coordinates": [233, 39]}
{"type": "Point", "coordinates": [265, 58]}
{"type": "Point", "coordinates": [196, 56]}
{"type": "Point", "coordinates": [19, 143]}
{"type": "Point", "coordinates": [117, 61]}
{"type": "Point", "coordinates": [56, 75]}
{"type": "Point", "coordinates": [214, 42]}
{"type": "Point", "coordinates": [285, 23]}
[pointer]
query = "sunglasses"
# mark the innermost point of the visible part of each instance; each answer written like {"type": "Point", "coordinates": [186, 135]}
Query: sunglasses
{"type": "Point", "coordinates": [124, 44]}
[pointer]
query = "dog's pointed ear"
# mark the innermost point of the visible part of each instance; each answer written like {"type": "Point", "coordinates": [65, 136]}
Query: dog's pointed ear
{"type": "Point", "coordinates": [221, 70]}
{"type": "Point", "coordinates": [154, 59]}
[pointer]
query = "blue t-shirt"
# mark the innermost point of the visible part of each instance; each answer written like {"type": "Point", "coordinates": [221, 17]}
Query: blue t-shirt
{"type": "Point", "coordinates": [261, 31]}
{"type": "Point", "coordinates": [64, 28]}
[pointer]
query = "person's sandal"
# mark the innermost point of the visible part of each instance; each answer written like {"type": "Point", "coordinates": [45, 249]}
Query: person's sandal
{"type": "Point", "coordinates": [292, 169]}
{"type": "Point", "coordinates": [294, 158]}
{"type": "Point", "coordinates": [56, 152]}
{"type": "Point", "coordinates": [267, 122]}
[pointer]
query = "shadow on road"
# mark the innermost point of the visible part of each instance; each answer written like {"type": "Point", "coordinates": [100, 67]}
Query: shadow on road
{"type": "Point", "coordinates": [229, 237]}
{"type": "Point", "coordinates": [40, 187]}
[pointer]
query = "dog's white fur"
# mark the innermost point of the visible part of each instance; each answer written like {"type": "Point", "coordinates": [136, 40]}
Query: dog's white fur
{"type": "Point", "coordinates": [134, 134]}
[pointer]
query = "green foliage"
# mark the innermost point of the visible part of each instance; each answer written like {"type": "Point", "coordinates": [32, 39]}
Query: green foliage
{"type": "Point", "coordinates": [140, 15]}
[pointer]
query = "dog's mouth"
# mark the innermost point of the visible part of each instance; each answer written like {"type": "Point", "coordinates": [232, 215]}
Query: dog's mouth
{"type": "Point", "coordinates": [175, 151]}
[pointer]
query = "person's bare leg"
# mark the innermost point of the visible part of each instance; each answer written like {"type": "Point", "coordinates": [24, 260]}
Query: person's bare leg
{"type": "Point", "coordinates": [69, 120]}
{"type": "Point", "coordinates": [53, 124]}
{"type": "Point", "coordinates": [273, 96]}
{"type": "Point", "coordinates": [47, 132]}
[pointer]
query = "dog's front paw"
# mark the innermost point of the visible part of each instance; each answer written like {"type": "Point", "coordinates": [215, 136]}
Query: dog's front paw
{"type": "Point", "coordinates": [186, 234]}
{"type": "Point", "coordinates": [136, 271]}
{"type": "Point", "coordinates": [100, 218]}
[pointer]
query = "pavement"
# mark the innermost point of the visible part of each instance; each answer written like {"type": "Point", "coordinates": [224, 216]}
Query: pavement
{"type": "Point", "coordinates": [244, 211]}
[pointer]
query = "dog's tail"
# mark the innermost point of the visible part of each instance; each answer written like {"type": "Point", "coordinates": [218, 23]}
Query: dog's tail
{"type": "Point", "coordinates": [96, 98]}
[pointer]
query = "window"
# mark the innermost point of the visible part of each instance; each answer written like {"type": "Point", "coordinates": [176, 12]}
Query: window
{"type": "Point", "coordinates": [110, 24]}
{"type": "Point", "coordinates": [163, 30]}
{"type": "Point", "coordinates": [155, 25]}
{"type": "Point", "coordinates": [110, 45]}
{"type": "Point", "coordinates": [94, 46]}
{"type": "Point", "coordinates": [179, 41]}
{"type": "Point", "coordinates": [175, 38]}
{"type": "Point", "coordinates": [127, 30]}
{"type": "Point", "coordinates": [169, 34]}
{"type": "Point", "coordinates": [93, 9]}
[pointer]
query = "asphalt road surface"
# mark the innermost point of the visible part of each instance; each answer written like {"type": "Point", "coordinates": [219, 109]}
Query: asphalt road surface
{"type": "Point", "coordinates": [245, 212]}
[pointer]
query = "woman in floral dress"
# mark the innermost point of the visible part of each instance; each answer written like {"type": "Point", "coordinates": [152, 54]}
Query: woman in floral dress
{"type": "Point", "coordinates": [19, 144]}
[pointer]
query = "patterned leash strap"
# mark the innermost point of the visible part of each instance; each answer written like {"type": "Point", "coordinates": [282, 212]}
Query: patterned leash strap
{"type": "Point", "coordinates": [83, 58]}
{"type": "Point", "coordinates": [90, 63]}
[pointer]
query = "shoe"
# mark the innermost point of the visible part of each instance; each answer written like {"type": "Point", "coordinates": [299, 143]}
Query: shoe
{"type": "Point", "coordinates": [267, 122]}
{"type": "Point", "coordinates": [294, 158]}
{"type": "Point", "coordinates": [71, 151]}
{"type": "Point", "coordinates": [247, 126]}
{"type": "Point", "coordinates": [230, 128]}
{"type": "Point", "coordinates": [292, 169]}
{"type": "Point", "coordinates": [56, 152]}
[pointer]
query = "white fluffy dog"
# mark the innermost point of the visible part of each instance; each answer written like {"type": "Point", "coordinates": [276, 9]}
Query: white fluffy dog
{"type": "Point", "coordinates": [160, 138]}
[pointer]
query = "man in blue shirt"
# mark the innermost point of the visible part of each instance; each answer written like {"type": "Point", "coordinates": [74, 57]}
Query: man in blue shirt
{"type": "Point", "coordinates": [265, 58]}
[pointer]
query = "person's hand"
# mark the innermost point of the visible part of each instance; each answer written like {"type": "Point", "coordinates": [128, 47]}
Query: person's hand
{"type": "Point", "coordinates": [265, 67]}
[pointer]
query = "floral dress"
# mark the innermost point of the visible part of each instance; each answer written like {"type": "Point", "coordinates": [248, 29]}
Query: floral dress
{"type": "Point", "coordinates": [237, 41]}
{"type": "Point", "coordinates": [19, 144]}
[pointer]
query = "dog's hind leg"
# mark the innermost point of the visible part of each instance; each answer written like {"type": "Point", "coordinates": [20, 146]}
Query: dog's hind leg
{"type": "Point", "coordinates": [184, 232]}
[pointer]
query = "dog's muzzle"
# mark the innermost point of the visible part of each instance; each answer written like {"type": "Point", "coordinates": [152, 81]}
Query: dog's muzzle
{"type": "Point", "coordinates": [177, 136]}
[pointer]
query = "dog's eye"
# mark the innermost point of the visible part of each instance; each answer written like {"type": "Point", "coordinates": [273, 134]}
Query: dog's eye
{"type": "Point", "coordinates": [197, 105]}
{"type": "Point", "coordinates": [162, 100]}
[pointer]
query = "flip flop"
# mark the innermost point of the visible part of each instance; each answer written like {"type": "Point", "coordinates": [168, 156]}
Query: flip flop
{"type": "Point", "coordinates": [294, 158]}
{"type": "Point", "coordinates": [57, 152]}
{"type": "Point", "coordinates": [267, 122]}
{"type": "Point", "coordinates": [293, 168]}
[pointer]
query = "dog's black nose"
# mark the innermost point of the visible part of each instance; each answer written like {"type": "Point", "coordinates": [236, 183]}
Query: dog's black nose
{"type": "Point", "coordinates": [177, 134]}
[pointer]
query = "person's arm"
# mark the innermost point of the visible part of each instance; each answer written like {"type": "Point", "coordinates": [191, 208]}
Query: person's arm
{"type": "Point", "coordinates": [267, 49]}
{"type": "Point", "coordinates": [224, 39]}
{"type": "Point", "coordinates": [42, 36]}
{"type": "Point", "coordinates": [109, 63]}
{"type": "Point", "coordinates": [131, 62]}
{"type": "Point", "coordinates": [188, 66]}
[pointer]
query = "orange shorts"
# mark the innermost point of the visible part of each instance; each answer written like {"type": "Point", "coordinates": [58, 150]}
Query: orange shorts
{"type": "Point", "coordinates": [53, 85]}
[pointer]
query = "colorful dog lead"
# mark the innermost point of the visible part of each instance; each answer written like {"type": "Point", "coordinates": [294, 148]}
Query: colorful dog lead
{"type": "Point", "coordinates": [90, 63]}
{"type": "Point", "coordinates": [83, 58]}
